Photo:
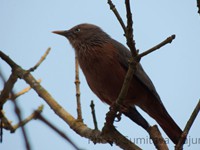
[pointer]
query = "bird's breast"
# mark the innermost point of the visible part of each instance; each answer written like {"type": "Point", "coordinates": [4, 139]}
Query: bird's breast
{"type": "Point", "coordinates": [104, 75]}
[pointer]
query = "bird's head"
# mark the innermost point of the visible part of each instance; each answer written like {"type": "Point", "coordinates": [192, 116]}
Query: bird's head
{"type": "Point", "coordinates": [84, 34]}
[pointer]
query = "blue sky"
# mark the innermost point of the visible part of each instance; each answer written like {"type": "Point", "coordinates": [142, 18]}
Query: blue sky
{"type": "Point", "coordinates": [25, 34]}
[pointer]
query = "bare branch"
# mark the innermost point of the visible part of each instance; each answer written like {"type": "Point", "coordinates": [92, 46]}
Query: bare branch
{"type": "Point", "coordinates": [54, 128]}
{"type": "Point", "coordinates": [111, 133]}
{"type": "Point", "coordinates": [40, 61]}
{"type": "Point", "coordinates": [94, 115]}
{"type": "Point", "coordinates": [34, 115]}
{"type": "Point", "coordinates": [129, 75]}
{"type": "Point", "coordinates": [19, 116]}
{"type": "Point", "coordinates": [166, 41]}
{"type": "Point", "coordinates": [9, 61]}
{"type": "Point", "coordinates": [7, 88]}
{"type": "Point", "coordinates": [187, 127]}
{"type": "Point", "coordinates": [2, 76]}
{"type": "Point", "coordinates": [25, 90]}
{"type": "Point", "coordinates": [157, 138]}
{"type": "Point", "coordinates": [113, 8]}
{"type": "Point", "coordinates": [78, 93]}
{"type": "Point", "coordinates": [6, 124]}
{"type": "Point", "coordinates": [129, 30]}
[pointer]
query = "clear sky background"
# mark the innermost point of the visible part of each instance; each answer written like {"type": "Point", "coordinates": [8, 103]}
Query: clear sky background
{"type": "Point", "coordinates": [25, 34]}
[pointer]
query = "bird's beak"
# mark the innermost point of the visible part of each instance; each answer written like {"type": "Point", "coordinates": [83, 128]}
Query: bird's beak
{"type": "Point", "coordinates": [61, 32]}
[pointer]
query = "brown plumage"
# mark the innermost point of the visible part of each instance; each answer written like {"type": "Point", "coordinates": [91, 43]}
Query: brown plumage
{"type": "Point", "coordinates": [104, 62]}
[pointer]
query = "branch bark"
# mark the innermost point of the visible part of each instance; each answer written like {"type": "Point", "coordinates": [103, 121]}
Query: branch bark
{"type": "Point", "coordinates": [188, 126]}
{"type": "Point", "coordinates": [78, 93]}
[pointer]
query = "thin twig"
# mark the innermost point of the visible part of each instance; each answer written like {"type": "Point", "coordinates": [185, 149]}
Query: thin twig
{"type": "Point", "coordinates": [1, 109]}
{"type": "Point", "coordinates": [54, 128]}
{"type": "Point", "coordinates": [115, 11]}
{"type": "Point", "coordinates": [34, 115]}
{"type": "Point", "coordinates": [40, 61]}
{"type": "Point", "coordinates": [187, 127]}
{"type": "Point", "coordinates": [7, 89]}
{"type": "Point", "coordinates": [19, 116]}
{"type": "Point", "coordinates": [25, 90]}
{"type": "Point", "coordinates": [2, 76]}
{"type": "Point", "coordinates": [78, 94]}
{"type": "Point", "coordinates": [6, 124]}
{"type": "Point", "coordinates": [129, 30]}
{"type": "Point", "coordinates": [94, 115]}
{"type": "Point", "coordinates": [133, 62]}
{"type": "Point", "coordinates": [166, 41]}
{"type": "Point", "coordinates": [9, 61]}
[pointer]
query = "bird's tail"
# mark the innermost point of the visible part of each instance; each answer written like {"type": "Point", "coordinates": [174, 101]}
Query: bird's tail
{"type": "Point", "coordinates": [156, 110]}
{"type": "Point", "coordinates": [136, 117]}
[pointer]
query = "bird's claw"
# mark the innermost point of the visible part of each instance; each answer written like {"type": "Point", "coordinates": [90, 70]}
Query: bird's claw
{"type": "Point", "coordinates": [118, 116]}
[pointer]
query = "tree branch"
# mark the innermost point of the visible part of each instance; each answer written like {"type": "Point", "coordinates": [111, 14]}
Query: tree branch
{"type": "Point", "coordinates": [115, 11]}
{"type": "Point", "coordinates": [34, 115]}
{"type": "Point", "coordinates": [54, 128]}
{"type": "Point", "coordinates": [157, 138]}
{"type": "Point", "coordinates": [187, 127]}
{"type": "Point", "coordinates": [40, 61]}
{"type": "Point", "coordinates": [166, 41]}
{"type": "Point", "coordinates": [129, 30]}
{"type": "Point", "coordinates": [7, 88]}
{"type": "Point", "coordinates": [25, 90]}
{"type": "Point", "coordinates": [93, 115]}
{"type": "Point", "coordinates": [78, 93]}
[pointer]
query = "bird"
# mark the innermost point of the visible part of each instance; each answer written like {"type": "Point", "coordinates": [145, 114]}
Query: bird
{"type": "Point", "coordinates": [104, 62]}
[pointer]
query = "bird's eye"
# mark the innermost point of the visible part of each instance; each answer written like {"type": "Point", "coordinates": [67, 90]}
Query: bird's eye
{"type": "Point", "coordinates": [77, 30]}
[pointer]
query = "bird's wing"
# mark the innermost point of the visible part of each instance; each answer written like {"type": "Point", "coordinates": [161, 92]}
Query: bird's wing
{"type": "Point", "coordinates": [124, 55]}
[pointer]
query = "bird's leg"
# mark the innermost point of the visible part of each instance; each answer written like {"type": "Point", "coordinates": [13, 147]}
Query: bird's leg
{"type": "Point", "coordinates": [121, 108]}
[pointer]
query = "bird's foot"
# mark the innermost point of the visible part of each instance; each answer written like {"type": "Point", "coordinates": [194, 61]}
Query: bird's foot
{"type": "Point", "coordinates": [118, 116]}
